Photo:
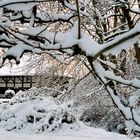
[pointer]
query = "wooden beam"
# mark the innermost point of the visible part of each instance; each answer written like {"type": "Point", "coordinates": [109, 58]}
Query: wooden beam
{"type": "Point", "coordinates": [22, 82]}
{"type": "Point", "coordinates": [14, 81]}
{"type": "Point", "coordinates": [30, 81]}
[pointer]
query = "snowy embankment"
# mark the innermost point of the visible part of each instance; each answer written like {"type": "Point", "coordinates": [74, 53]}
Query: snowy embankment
{"type": "Point", "coordinates": [32, 115]}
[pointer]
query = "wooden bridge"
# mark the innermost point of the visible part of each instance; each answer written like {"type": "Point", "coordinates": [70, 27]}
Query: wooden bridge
{"type": "Point", "coordinates": [15, 82]}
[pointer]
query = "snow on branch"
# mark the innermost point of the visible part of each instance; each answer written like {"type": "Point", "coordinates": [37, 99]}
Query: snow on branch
{"type": "Point", "coordinates": [48, 41]}
{"type": "Point", "coordinates": [100, 73]}
{"type": "Point", "coordinates": [42, 38]}
{"type": "Point", "coordinates": [114, 47]}
{"type": "Point", "coordinates": [133, 83]}
{"type": "Point", "coordinates": [42, 18]}
{"type": "Point", "coordinates": [69, 39]}
{"type": "Point", "coordinates": [17, 51]}
{"type": "Point", "coordinates": [19, 4]}
{"type": "Point", "coordinates": [130, 111]}
{"type": "Point", "coordinates": [111, 76]}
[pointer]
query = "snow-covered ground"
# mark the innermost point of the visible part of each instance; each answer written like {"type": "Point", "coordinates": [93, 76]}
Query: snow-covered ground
{"type": "Point", "coordinates": [29, 110]}
{"type": "Point", "coordinates": [84, 133]}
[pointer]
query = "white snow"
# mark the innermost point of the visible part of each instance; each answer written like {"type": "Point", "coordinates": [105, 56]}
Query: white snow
{"type": "Point", "coordinates": [9, 93]}
{"type": "Point", "coordinates": [125, 44]}
{"type": "Point", "coordinates": [92, 48]}
{"type": "Point", "coordinates": [17, 50]}
{"type": "Point", "coordinates": [21, 69]}
{"type": "Point", "coordinates": [21, 6]}
{"type": "Point", "coordinates": [16, 112]}
{"type": "Point", "coordinates": [88, 45]}
{"type": "Point", "coordinates": [118, 48]}
{"type": "Point", "coordinates": [32, 112]}
{"type": "Point", "coordinates": [84, 133]}
{"type": "Point", "coordinates": [112, 76]}
{"type": "Point", "coordinates": [18, 4]}
{"type": "Point", "coordinates": [130, 111]}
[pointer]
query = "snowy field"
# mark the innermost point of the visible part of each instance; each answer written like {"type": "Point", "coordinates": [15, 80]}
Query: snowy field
{"type": "Point", "coordinates": [84, 133]}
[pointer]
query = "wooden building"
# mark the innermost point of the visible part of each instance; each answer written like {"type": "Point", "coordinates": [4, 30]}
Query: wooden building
{"type": "Point", "coordinates": [15, 82]}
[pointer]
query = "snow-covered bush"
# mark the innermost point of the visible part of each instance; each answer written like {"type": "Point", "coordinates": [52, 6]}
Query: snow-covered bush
{"type": "Point", "coordinates": [27, 95]}
{"type": "Point", "coordinates": [9, 94]}
{"type": "Point", "coordinates": [113, 121]}
{"type": "Point", "coordinates": [93, 114]}
{"type": "Point", "coordinates": [34, 92]}
{"type": "Point", "coordinates": [108, 118]}
{"type": "Point", "coordinates": [35, 114]}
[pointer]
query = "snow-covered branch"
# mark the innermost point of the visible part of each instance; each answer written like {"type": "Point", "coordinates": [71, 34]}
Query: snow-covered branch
{"type": "Point", "coordinates": [124, 41]}
{"type": "Point", "coordinates": [129, 110]}
{"type": "Point", "coordinates": [11, 4]}
{"type": "Point", "coordinates": [111, 76]}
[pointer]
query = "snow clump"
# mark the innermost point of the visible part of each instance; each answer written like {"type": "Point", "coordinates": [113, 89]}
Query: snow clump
{"type": "Point", "coordinates": [9, 93]}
